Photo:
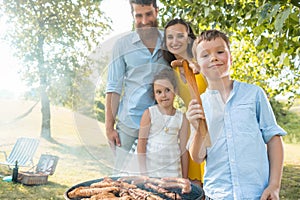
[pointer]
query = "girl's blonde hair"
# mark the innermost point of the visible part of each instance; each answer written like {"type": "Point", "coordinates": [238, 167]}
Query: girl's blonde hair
{"type": "Point", "coordinates": [166, 74]}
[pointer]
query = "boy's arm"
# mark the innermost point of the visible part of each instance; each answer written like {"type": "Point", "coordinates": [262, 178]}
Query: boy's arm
{"type": "Point", "coordinates": [111, 107]}
{"type": "Point", "coordinates": [194, 114]}
{"type": "Point", "coordinates": [142, 141]}
{"type": "Point", "coordinates": [275, 153]}
{"type": "Point", "coordinates": [183, 138]}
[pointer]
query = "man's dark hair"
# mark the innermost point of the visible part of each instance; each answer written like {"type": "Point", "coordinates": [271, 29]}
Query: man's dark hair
{"type": "Point", "coordinates": [143, 2]}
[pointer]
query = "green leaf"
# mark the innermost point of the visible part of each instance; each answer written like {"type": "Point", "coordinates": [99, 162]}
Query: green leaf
{"type": "Point", "coordinates": [257, 41]}
{"type": "Point", "coordinates": [274, 11]}
{"type": "Point", "coordinates": [286, 61]}
{"type": "Point", "coordinates": [263, 13]}
{"type": "Point", "coordinates": [280, 19]}
{"type": "Point", "coordinates": [206, 11]}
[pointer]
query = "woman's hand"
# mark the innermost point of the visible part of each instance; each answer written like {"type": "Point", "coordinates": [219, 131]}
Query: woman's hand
{"type": "Point", "coordinates": [192, 64]}
{"type": "Point", "coordinates": [176, 63]}
{"type": "Point", "coordinates": [194, 113]}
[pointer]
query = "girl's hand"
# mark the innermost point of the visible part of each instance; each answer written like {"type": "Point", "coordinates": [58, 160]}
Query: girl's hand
{"type": "Point", "coordinates": [194, 113]}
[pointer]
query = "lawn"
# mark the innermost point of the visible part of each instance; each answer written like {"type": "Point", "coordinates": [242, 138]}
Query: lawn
{"type": "Point", "coordinates": [80, 144]}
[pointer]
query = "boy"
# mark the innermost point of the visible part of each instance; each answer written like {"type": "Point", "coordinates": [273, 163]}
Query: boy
{"type": "Point", "coordinates": [245, 160]}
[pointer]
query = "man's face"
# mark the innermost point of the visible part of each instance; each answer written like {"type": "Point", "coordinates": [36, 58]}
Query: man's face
{"type": "Point", "coordinates": [145, 16]}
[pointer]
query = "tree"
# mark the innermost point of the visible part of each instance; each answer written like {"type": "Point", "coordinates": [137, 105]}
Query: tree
{"type": "Point", "coordinates": [53, 39]}
{"type": "Point", "coordinates": [265, 37]}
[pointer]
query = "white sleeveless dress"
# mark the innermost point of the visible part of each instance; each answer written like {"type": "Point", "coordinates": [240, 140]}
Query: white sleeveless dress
{"type": "Point", "coordinates": [163, 151]}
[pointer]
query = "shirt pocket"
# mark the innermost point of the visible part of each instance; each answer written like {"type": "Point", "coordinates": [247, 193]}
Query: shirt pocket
{"type": "Point", "coordinates": [244, 118]}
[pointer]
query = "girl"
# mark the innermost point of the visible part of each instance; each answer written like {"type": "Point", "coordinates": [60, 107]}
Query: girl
{"type": "Point", "coordinates": [163, 133]}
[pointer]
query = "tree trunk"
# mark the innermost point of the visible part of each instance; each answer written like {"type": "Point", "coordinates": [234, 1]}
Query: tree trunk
{"type": "Point", "coordinates": [46, 115]}
{"type": "Point", "coordinates": [45, 104]}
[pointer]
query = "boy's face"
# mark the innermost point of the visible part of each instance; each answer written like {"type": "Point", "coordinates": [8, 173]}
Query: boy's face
{"type": "Point", "coordinates": [214, 58]}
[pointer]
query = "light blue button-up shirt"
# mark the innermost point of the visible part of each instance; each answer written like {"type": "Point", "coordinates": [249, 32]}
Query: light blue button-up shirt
{"type": "Point", "coordinates": [237, 165]}
{"type": "Point", "coordinates": [131, 73]}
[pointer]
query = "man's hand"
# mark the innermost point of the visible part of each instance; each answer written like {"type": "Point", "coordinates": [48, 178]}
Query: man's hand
{"type": "Point", "coordinates": [113, 138]}
{"type": "Point", "coordinates": [111, 106]}
{"type": "Point", "coordinates": [194, 113]}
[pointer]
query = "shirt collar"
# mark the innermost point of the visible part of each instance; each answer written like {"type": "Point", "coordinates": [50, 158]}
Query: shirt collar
{"type": "Point", "coordinates": [136, 37]}
{"type": "Point", "coordinates": [236, 85]}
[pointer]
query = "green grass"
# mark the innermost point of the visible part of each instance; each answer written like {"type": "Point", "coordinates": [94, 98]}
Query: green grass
{"type": "Point", "coordinates": [290, 186]}
{"type": "Point", "coordinates": [55, 188]}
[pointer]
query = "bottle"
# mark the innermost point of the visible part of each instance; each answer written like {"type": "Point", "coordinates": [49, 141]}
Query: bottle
{"type": "Point", "coordinates": [15, 173]}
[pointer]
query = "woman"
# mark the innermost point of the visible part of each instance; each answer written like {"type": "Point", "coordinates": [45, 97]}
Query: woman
{"type": "Point", "coordinates": [177, 45]}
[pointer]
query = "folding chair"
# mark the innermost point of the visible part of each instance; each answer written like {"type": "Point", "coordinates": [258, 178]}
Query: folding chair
{"type": "Point", "coordinates": [23, 152]}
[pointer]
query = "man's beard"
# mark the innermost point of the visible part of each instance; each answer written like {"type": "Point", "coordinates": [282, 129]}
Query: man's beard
{"type": "Point", "coordinates": [147, 31]}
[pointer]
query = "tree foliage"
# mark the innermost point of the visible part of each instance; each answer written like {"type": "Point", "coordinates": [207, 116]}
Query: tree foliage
{"type": "Point", "coordinates": [264, 36]}
{"type": "Point", "coordinates": [53, 39]}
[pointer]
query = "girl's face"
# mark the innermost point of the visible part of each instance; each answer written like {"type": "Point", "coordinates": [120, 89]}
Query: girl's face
{"type": "Point", "coordinates": [164, 93]}
{"type": "Point", "coordinates": [214, 58]}
{"type": "Point", "coordinates": [177, 40]}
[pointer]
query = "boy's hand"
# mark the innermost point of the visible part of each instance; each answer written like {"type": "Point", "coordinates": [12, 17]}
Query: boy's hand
{"type": "Point", "coordinates": [194, 113]}
{"type": "Point", "coordinates": [270, 193]}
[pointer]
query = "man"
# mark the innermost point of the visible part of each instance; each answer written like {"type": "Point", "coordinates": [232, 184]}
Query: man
{"type": "Point", "coordinates": [135, 60]}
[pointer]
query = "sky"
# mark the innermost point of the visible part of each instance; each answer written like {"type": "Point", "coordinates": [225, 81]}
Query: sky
{"type": "Point", "coordinates": [9, 79]}
{"type": "Point", "coordinates": [117, 10]}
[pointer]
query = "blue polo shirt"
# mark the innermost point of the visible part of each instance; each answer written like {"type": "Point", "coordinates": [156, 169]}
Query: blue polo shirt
{"type": "Point", "coordinates": [131, 73]}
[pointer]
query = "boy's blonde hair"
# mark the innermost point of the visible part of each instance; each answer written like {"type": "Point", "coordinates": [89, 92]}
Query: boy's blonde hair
{"type": "Point", "coordinates": [208, 36]}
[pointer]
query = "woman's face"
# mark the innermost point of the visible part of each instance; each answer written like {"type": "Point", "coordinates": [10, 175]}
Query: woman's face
{"type": "Point", "coordinates": [177, 40]}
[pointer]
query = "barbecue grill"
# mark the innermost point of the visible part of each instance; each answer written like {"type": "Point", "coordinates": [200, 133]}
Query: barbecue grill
{"type": "Point", "coordinates": [195, 194]}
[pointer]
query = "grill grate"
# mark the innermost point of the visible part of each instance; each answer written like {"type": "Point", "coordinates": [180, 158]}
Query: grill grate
{"type": "Point", "coordinates": [195, 194]}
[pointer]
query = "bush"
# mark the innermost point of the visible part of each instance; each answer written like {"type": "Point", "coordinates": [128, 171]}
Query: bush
{"type": "Point", "coordinates": [288, 120]}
